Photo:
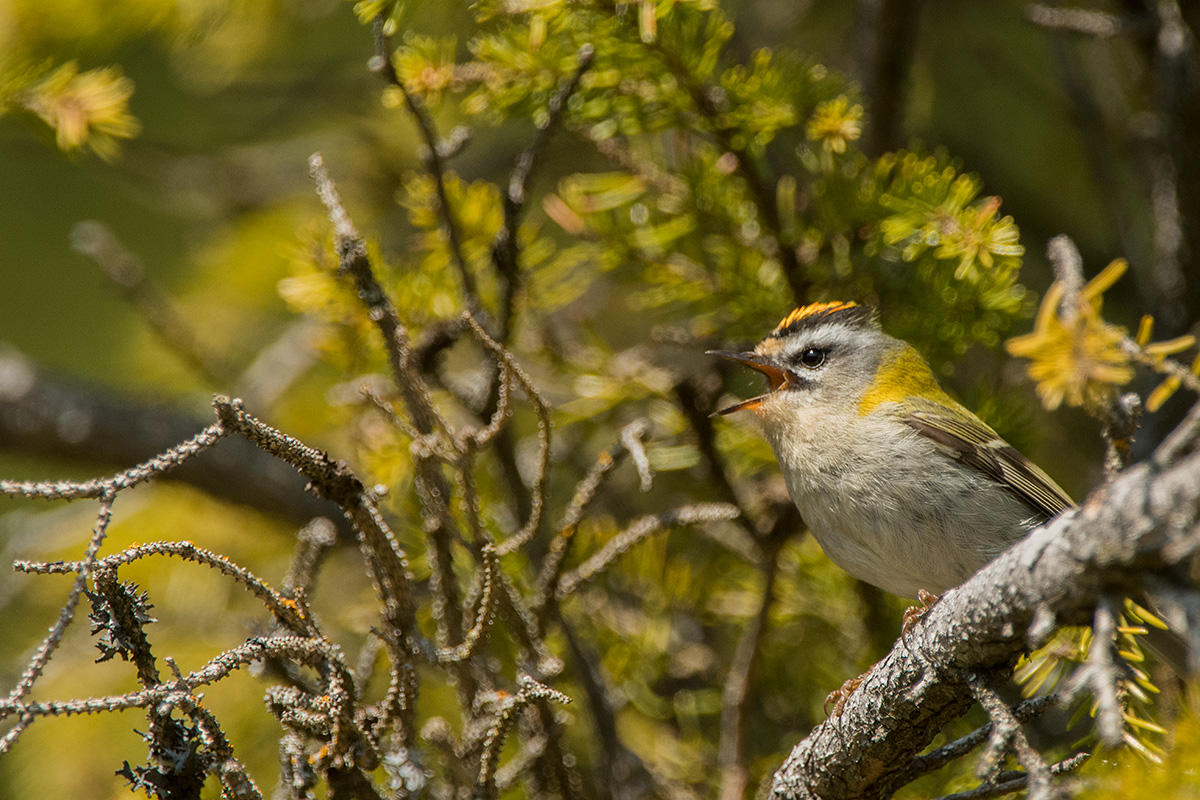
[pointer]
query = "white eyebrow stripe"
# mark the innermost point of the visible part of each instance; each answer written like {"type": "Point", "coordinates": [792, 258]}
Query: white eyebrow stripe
{"type": "Point", "coordinates": [829, 336]}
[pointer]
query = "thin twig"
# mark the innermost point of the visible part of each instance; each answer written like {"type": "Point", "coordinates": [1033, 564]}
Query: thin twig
{"type": "Point", "coordinates": [285, 610]}
{"type": "Point", "coordinates": [310, 651]}
{"type": "Point", "coordinates": [431, 155]}
{"type": "Point", "coordinates": [638, 531]}
{"type": "Point", "coordinates": [1181, 441]}
{"type": "Point", "coordinates": [505, 248]}
{"type": "Point", "coordinates": [1019, 783]}
{"type": "Point", "coordinates": [1120, 425]}
{"type": "Point", "coordinates": [432, 486]}
{"type": "Point", "coordinates": [173, 328]}
{"type": "Point", "coordinates": [487, 610]}
{"type": "Point", "coordinates": [738, 691]}
{"type": "Point", "coordinates": [530, 690]}
{"type": "Point", "coordinates": [1167, 366]}
{"type": "Point", "coordinates": [279, 365]}
{"type": "Point", "coordinates": [100, 487]}
{"type": "Point", "coordinates": [697, 406]}
{"type": "Point", "coordinates": [1023, 712]}
{"type": "Point", "coordinates": [542, 408]}
{"type": "Point", "coordinates": [1005, 734]}
{"type": "Point", "coordinates": [585, 492]}
{"type": "Point", "coordinates": [1086, 21]}
{"type": "Point", "coordinates": [41, 657]}
{"type": "Point", "coordinates": [1068, 272]}
{"type": "Point", "coordinates": [236, 783]}
{"type": "Point", "coordinates": [335, 481]}
{"type": "Point", "coordinates": [1101, 675]}
{"type": "Point", "coordinates": [313, 543]}
{"type": "Point", "coordinates": [353, 261]}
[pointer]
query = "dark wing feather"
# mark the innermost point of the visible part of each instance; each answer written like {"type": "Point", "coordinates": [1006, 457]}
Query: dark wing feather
{"type": "Point", "coordinates": [978, 446]}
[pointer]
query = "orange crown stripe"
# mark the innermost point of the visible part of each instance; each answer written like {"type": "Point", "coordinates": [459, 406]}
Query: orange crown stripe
{"type": "Point", "coordinates": [812, 310]}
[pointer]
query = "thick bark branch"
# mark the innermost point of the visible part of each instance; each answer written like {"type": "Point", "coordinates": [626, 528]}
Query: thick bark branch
{"type": "Point", "coordinates": [1129, 534]}
{"type": "Point", "coordinates": [47, 418]}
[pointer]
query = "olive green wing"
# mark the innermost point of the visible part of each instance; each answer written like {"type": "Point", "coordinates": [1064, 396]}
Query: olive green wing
{"type": "Point", "coordinates": [975, 444]}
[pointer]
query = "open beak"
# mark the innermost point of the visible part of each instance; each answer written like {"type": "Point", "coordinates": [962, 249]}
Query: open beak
{"type": "Point", "coordinates": [775, 375]}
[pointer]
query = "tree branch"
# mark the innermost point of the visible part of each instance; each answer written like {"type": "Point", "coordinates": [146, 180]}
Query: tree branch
{"type": "Point", "coordinates": [44, 417]}
{"type": "Point", "coordinates": [1129, 532]}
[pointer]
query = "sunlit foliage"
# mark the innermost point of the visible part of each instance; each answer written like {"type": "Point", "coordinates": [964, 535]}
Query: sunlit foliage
{"type": "Point", "coordinates": [684, 200]}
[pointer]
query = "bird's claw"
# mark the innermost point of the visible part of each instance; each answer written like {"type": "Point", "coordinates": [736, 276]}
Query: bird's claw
{"type": "Point", "coordinates": [914, 614]}
{"type": "Point", "coordinates": [838, 697]}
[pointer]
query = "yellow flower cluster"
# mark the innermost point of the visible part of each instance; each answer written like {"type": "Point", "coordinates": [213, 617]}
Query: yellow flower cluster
{"type": "Point", "coordinates": [86, 108]}
{"type": "Point", "coordinates": [834, 123]}
{"type": "Point", "coordinates": [1076, 356]}
{"type": "Point", "coordinates": [1156, 356]}
{"type": "Point", "coordinates": [1079, 357]}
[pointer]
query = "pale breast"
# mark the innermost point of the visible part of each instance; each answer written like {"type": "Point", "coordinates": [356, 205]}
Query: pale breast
{"type": "Point", "coordinates": [904, 517]}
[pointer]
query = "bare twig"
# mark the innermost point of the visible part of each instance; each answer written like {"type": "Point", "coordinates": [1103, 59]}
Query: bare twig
{"type": "Point", "coordinates": [101, 487]}
{"type": "Point", "coordinates": [1167, 366]}
{"type": "Point", "coordinates": [335, 481]}
{"type": "Point", "coordinates": [509, 364]}
{"type": "Point", "coordinates": [433, 155]}
{"type": "Point", "coordinates": [560, 545]}
{"type": "Point", "coordinates": [311, 651]}
{"type": "Point", "coordinates": [41, 657]}
{"type": "Point", "coordinates": [353, 261]}
{"type": "Point", "coordinates": [1007, 733]}
{"type": "Point", "coordinates": [487, 610]}
{"type": "Point", "coordinates": [279, 365]}
{"type": "Point", "coordinates": [1068, 272]}
{"type": "Point", "coordinates": [432, 486]}
{"type": "Point", "coordinates": [1086, 21]}
{"type": "Point", "coordinates": [697, 405]}
{"type": "Point", "coordinates": [285, 610]}
{"type": "Point", "coordinates": [1181, 441]}
{"type": "Point", "coordinates": [49, 418]}
{"type": "Point", "coordinates": [1119, 428]}
{"type": "Point", "coordinates": [173, 328]}
{"type": "Point", "coordinates": [1024, 712]}
{"type": "Point", "coordinates": [530, 691]}
{"type": "Point", "coordinates": [739, 685]}
{"type": "Point", "coordinates": [504, 250]}
{"type": "Point", "coordinates": [631, 439]}
{"type": "Point", "coordinates": [1101, 675]}
{"type": "Point", "coordinates": [235, 781]}
{"type": "Point", "coordinates": [313, 542]}
{"type": "Point", "coordinates": [1019, 783]}
{"type": "Point", "coordinates": [638, 531]}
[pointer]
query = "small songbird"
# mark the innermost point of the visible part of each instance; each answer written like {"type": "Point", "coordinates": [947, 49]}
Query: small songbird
{"type": "Point", "coordinates": [903, 487]}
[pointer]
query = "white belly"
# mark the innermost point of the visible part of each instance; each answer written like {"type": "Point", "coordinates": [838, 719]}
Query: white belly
{"type": "Point", "coordinates": [904, 529]}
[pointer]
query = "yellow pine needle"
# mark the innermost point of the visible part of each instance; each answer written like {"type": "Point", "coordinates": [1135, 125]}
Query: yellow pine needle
{"type": "Point", "coordinates": [1143, 724]}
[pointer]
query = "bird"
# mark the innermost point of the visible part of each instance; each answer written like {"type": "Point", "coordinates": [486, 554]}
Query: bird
{"type": "Point", "coordinates": [902, 486]}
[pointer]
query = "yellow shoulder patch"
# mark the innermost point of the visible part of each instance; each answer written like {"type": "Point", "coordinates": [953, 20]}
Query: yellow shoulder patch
{"type": "Point", "coordinates": [902, 374]}
{"type": "Point", "coordinates": [812, 310]}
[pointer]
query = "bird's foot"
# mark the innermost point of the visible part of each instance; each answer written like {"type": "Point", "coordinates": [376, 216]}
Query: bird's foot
{"type": "Point", "coordinates": [838, 697]}
{"type": "Point", "coordinates": [915, 614]}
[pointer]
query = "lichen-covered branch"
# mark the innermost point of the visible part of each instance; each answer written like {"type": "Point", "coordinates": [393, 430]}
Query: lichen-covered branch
{"type": "Point", "coordinates": [1128, 534]}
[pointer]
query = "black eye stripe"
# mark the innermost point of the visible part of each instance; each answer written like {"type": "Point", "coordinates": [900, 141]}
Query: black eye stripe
{"type": "Point", "coordinates": [812, 357]}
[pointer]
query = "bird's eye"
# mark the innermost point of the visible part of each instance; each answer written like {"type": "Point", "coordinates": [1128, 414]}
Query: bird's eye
{"type": "Point", "coordinates": [812, 357]}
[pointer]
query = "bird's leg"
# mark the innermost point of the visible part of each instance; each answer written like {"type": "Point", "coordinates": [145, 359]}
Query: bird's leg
{"type": "Point", "coordinates": [914, 614]}
{"type": "Point", "coordinates": [838, 697]}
